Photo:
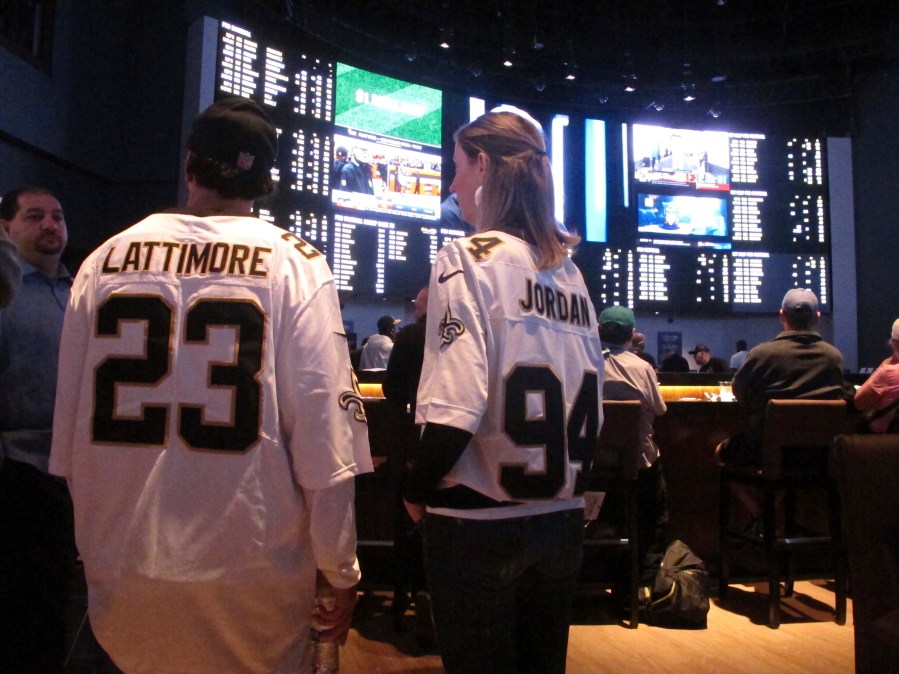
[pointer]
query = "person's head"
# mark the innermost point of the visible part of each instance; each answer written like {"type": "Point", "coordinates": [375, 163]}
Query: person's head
{"type": "Point", "coordinates": [33, 220]}
{"type": "Point", "coordinates": [671, 213]}
{"type": "Point", "coordinates": [616, 325]}
{"type": "Point", "coordinates": [504, 181]}
{"type": "Point", "coordinates": [894, 336]}
{"type": "Point", "coordinates": [387, 326]}
{"type": "Point", "coordinates": [638, 342]}
{"type": "Point", "coordinates": [799, 309]}
{"type": "Point", "coordinates": [341, 153]}
{"type": "Point", "coordinates": [701, 354]}
{"type": "Point", "coordinates": [231, 150]}
{"type": "Point", "coordinates": [361, 154]}
{"type": "Point", "coordinates": [741, 345]}
{"type": "Point", "coordinates": [420, 304]}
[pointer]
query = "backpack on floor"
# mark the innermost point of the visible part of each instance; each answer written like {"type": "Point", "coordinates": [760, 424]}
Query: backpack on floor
{"type": "Point", "coordinates": [678, 597]}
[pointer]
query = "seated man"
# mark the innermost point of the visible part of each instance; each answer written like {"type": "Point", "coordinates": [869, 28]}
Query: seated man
{"type": "Point", "coordinates": [797, 363]}
{"type": "Point", "coordinates": [879, 395]}
{"type": "Point", "coordinates": [628, 377]}
{"type": "Point", "coordinates": [739, 357]}
{"type": "Point", "coordinates": [673, 362]}
{"type": "Point", "coordinates": [638, 348]}
{"type": "Point", "coordinates": [706, 361]}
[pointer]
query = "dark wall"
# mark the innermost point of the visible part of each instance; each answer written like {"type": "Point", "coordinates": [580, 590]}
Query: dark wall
{"type": "Point", "coordinates": [102, 127]}
{"type": "Point", "coordinates": [875, 149]}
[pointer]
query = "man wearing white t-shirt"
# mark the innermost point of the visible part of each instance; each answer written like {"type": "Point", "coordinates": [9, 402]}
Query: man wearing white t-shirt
{"type": "Point", "coordinates": [209, 425]}
{"type": "Point", "coordinates": [376, 352]}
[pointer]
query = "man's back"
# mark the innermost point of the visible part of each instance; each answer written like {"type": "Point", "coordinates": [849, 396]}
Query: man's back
{"type": "Point", "coordinates": [189, 451]}
{"type": "Point", "coordinates": [795, 364]}
{"type": "Point", "coordinates": [376, 352]}
{"type": "Point", "coordinates": [629, 377]}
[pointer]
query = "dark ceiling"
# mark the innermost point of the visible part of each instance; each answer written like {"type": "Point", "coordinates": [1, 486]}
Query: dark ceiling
{"type": "Point", "coordinates": [754, 57]}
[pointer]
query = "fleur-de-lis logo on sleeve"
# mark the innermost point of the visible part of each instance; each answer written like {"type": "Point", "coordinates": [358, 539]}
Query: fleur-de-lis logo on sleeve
{"type": "Point", "coordinates": [450, 327]}
{"type": "Point", "coordinates": [353, 399]}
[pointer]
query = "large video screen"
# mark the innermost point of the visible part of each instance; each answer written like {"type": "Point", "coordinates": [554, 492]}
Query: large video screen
{"type": "Point", "coordinates": [664, 156]}
{"type": "Point", "coordinates": [681, 215]}
{"type": "Point", "coordinates": [359, 159]}
{"type": "Point", "coordinates": [713, 222]}
{"type": "Point", "coordinates": [674, 220]}
{"type": "Point", "coordinates": [386, 145]}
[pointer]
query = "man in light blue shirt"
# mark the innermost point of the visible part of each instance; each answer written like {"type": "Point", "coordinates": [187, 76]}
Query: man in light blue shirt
{"type": "Point", "coordinates": [37, 551]}
{"type": "Point", "coordinates": [739, 357]}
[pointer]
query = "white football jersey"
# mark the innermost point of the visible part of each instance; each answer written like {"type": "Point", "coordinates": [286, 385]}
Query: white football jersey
{"type": "Point", "coordinates": [513, 356]}
{"type": "Point", "coordinates": [208, 423]}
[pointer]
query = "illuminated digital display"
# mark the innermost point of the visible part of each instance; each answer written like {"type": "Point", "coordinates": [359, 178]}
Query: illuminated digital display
{"type": "Point", "coordinates": [359, 160]}
{"type": "Point", "coordinates": [717, 222]}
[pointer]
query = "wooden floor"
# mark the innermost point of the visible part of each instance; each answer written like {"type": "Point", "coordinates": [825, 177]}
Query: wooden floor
{"type": "Point", "coordinates": [736, 641]}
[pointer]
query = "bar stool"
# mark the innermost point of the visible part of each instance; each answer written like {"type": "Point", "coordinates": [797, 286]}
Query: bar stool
{"type": "Point", "coordinates": [866, 468]}
{"type": "Point", "coordinates": [616, 460]}
{"type": "Point", "coordinates": [796, 442]}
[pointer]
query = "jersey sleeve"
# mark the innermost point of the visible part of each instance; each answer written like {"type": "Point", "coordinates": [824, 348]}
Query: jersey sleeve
{"type": "Point", "coordinates": [318, 397]}
{"type": "Point", "coordinates": [455, 373]}
{"type": "Point", "coordinates": [332, 527]}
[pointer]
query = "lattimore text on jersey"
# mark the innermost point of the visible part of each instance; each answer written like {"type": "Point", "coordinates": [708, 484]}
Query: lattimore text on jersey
{"type": "Point", "coordinates": [172, 257]}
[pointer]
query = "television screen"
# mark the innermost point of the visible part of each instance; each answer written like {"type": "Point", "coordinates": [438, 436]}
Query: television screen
{"type": "Point", "coordinates": [681, 157]}
{"type": "Point", "coordinates": [386, 145]}
{"type": "Point", "coordinates": [678, 215]}
{"type": "Point", "coordinates": [709, 221]}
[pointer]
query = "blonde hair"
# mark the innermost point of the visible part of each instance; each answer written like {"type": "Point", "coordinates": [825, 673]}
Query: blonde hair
{"type": "Point", "coordinates": [517, 193]}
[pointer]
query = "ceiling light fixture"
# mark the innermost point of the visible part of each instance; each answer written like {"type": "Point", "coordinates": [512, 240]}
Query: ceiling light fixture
{"type": "Point", "coordinates": [629, 75]}
{"type": "Point", "coordinates": [688, 85]}
{"type": "Point", "coordinates": [446, 36]}
{"type": "Point", "coordinates": [715, 111]}
{"type": "Point", "coordinates": [571, 63]}
{"type": "Point", "coordinates": [508, 55]}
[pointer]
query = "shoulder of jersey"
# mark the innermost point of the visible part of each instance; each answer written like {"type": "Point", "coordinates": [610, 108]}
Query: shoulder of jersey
{"type": "Point", "coordinates": [491, 245]}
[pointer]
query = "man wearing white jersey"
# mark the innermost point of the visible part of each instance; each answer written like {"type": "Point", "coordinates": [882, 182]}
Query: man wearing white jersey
{"type": "Point", "coordinates": [209, 425]}
{"type": "Point", "coordinates": [510, 399]}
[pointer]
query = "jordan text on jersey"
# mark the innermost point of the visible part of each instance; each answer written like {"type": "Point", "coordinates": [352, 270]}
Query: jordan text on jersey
{"type": "Point", "coordinates": [569, 308]}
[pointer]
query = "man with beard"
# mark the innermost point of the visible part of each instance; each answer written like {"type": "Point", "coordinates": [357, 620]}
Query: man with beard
{"type": "Point", "coordinates": [37, 550]}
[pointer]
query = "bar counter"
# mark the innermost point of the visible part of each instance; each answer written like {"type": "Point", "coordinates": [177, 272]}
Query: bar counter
{"type": "Point", "coordinates": [696, 421]}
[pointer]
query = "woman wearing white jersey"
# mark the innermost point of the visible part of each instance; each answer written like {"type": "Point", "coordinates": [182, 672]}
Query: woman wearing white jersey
{"type": "Point", "coordinates": [510, 399]}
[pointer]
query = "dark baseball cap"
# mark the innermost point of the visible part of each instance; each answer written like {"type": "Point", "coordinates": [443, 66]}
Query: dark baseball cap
{"type": "Point", "coordinates": [385, 323]}
{"type": "Point", "coordinates": [698, 348]}
{"type": "Point", "coordinates": [238, 133]}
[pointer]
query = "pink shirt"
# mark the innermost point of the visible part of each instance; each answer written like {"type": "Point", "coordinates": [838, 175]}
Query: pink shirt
{"type": "Point", "coordinates": [879, 391]}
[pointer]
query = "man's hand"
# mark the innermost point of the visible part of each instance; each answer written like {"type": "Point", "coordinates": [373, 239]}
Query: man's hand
{"type": "Point", "coordinates": [334, 624]}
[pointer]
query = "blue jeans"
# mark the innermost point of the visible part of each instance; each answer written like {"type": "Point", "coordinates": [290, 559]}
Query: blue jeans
{"type": "Point", "coordinates": [501, 590]}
